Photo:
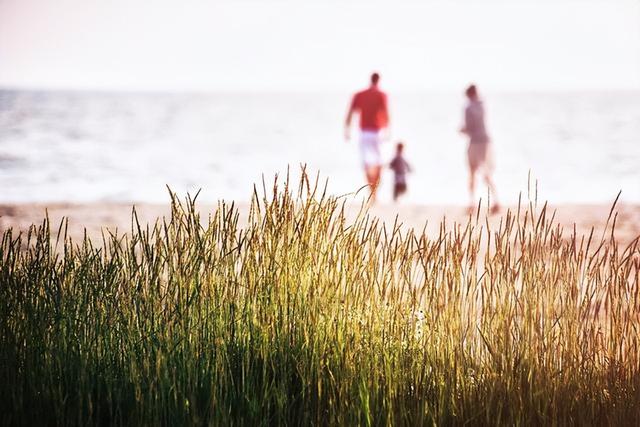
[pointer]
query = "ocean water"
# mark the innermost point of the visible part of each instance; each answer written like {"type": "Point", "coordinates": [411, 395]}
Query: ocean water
{"type": "Point", "coordinates": [124, 147]}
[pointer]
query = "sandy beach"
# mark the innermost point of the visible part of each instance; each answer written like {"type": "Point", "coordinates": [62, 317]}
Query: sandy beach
{"type": "Point", "coordinates": [95, 217]}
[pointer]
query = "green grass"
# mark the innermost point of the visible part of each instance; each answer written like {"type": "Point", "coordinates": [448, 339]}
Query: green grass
{"type": "Point", "coordinates": [308, 316]}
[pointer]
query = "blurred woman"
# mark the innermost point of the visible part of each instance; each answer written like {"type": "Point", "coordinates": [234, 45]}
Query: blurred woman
{"type": "Point", "coordinates": [479, 152]}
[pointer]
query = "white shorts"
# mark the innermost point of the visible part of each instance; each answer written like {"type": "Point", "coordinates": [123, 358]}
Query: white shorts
{"type": "Point", "coordinates": [370, 148]}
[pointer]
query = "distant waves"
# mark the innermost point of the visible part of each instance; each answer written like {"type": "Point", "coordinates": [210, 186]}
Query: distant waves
{"type": "Point", "coordinates": [75, 146]}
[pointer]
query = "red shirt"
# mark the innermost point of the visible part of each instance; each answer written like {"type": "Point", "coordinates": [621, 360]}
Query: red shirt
{"type": "Point", "coordinates": [372, 105]}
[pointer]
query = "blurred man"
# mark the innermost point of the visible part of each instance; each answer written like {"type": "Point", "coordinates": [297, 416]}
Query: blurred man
{"type": "Point", "coordinates": [479, 153]}
{"type": "Point", "coordinates": [371, 105]}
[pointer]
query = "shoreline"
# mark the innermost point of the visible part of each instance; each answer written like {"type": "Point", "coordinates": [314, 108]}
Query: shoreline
{"type": "Point", "coordinates": [98, 216]}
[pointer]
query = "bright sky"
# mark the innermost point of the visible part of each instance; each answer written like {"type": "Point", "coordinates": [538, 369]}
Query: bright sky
{"type": "Point", "coordinates": [320, 45]}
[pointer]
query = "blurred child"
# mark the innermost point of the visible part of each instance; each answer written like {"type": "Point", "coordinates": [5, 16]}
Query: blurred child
{"type": "Point", "coordinates": [400, 169]}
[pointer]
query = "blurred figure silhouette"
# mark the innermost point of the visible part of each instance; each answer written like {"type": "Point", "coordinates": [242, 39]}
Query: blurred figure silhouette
{"type": "Point", "coordinates": [400, 169]}
{"type": "Point", "coordinates": [479, 152]}
{"type": "Point", "coordinates": [371, 105]}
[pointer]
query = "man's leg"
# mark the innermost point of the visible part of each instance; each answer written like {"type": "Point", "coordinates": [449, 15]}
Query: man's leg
{"type": "Point", "coordinates": [373, 179]}
{"type": "Point", "coordinates": [376, 177]}
{"type": "Point", "coordinates": [369, 175]}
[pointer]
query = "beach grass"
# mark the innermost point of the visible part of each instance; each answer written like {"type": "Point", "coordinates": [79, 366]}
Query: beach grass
{"type": "Point", "coordinates": [305, 315]}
